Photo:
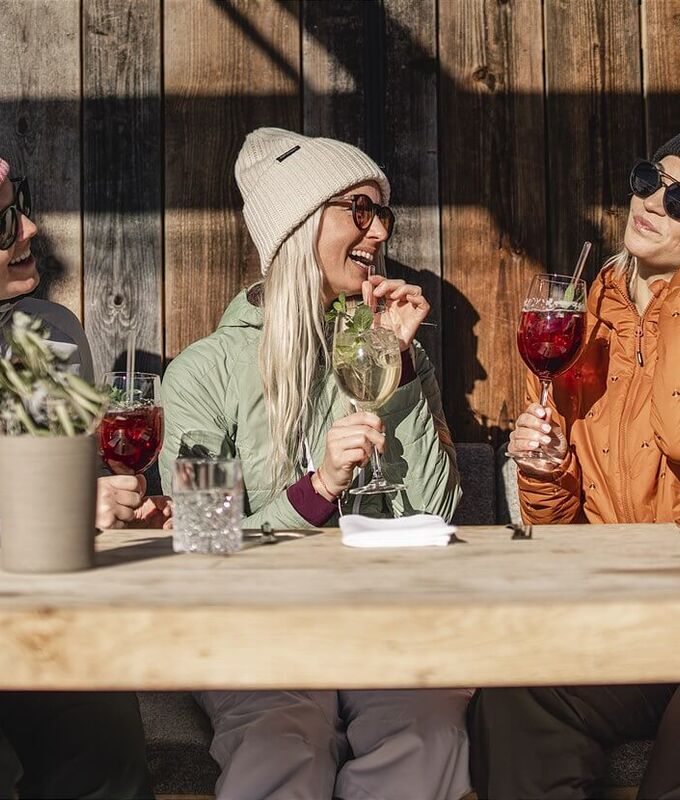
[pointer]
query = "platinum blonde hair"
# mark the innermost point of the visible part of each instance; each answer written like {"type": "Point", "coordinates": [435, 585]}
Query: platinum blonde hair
{"type": "Point", "coordinates": [293, 352]}
{"type": "Point", "coordinates": [625, 263]}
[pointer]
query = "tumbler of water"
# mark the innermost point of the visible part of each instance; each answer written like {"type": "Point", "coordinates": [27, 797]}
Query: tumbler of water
{"type": "Point", "coordinates": [208, 505]}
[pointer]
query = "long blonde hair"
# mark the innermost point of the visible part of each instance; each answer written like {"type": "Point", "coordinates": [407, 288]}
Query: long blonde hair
{"type": "Point", "coordinates": [294, 355]}
{"type": "Point", "coordinates": [625, 263]}
{"type": "Point", "coordinates": [294, 350]}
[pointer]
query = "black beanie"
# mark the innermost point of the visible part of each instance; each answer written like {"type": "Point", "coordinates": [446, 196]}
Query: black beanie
{"type": "Point", "coordinates": [671, 148]}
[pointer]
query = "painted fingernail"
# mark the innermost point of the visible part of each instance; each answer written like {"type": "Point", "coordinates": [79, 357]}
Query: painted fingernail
{"type": "Point", "coordinates": [533, 444]}
{"type": "Point", "coordinates": [545, 439]}
{"type": "Point", "coordinates": [545, 428]}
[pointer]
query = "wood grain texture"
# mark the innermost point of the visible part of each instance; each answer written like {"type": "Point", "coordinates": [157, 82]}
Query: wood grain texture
{"type": "Point", "coordinates": [370, 78]}
{"type": "Point", "coordinates": [575, 604]}
{"type": "Point", "coordinates": [594, 124]}
{"type": "Point", "coordinates": [40, 131]}
{"type": "Point", "coordinates": [334, 57]}
{"type": "Point", "coordinates": [122, 181]}
{"type": "Point", "coordinates": [491, 133]}
{"type": "Point", "coordinates": [412, 155]}
{"type": "Point", "coordinates": [661, 68]}
{"type": "Point", "coordinates": [228, 68]}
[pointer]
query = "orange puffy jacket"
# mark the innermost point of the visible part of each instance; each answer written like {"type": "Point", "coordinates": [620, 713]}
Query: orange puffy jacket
{"type": "Point", "coordinates": [619, 407]}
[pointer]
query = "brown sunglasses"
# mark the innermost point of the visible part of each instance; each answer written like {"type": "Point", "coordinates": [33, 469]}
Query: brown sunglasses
{"type": "Point", "coordinates": [364, 211]}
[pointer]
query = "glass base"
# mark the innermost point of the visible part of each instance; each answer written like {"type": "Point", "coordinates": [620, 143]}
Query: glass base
{"type": "Point", "coordinates": [536, 456]}
{"type": "Point", "coordinates": [378, 487]}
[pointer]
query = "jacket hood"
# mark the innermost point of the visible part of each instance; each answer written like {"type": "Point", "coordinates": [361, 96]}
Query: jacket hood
{"type": "Point", "coordinates": [609, 300]}
{"type": "Point", "coordinates": [241, 313]}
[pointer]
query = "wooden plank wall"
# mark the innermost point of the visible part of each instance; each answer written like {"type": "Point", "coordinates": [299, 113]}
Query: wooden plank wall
{"type": "Point", "coordinates": [507, 128]}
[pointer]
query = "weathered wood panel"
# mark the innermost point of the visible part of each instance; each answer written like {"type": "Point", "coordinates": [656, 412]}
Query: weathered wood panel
{"type": "Point", "coordinates": [594, 124]}
{"type": "Point", "coordinates": [229, 68]}
{"type": "Point", "coordinates": [412, 153]}
{"type": "Point", "coordinates": [491, 132]}
{"type": "Point", "coordinates": [476, 150]}
{"type": "Point", "coordinates": [335, 54]}
{"type": "Point", "coordinates": [40, 114]}
{"type": "Point", "coordinates": [122, 180]}
{"type": "Point", "coordinates": [370, 78]}
{"type": "Point", "coordinates": [661, 60]}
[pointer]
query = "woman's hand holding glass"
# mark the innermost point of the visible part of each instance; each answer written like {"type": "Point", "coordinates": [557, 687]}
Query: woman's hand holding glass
{"type": "Point", "coordinates": [349, 444]}
{"type": "Point", "coordinates": [401, 306]}
{"type": "Point", "coordinates": [535, 430]}
{"type": "Point", "coordinates": [121, 504]}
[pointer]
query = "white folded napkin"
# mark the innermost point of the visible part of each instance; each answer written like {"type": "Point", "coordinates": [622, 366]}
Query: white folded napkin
{"type": "Point", "coordinates": [420, 530]}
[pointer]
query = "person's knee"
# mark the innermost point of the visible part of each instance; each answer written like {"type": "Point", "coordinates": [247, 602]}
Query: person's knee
{"type": "Point", "coordinates": [298, 723]}
{"type": "Point", "coordinates": [114, 752]}
{"type": "Point", "coordinates": [117, 773]}
{"type": "Point", "coordinates": [123, 775]}
{"type": "Point", "coordinates": [305, 719]}
{"type": "Point", "coordinates": [493, 708]}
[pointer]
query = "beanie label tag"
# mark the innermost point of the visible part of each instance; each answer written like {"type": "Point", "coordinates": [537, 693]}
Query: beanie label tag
{"type": "Point", "coordinates": [290, 152]}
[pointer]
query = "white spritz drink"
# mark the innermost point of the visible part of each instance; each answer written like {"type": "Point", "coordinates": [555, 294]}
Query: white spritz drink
{"type": "Point", "coordinates": [367, 367]}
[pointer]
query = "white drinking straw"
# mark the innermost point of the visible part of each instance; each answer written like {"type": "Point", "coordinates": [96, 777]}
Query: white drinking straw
{"type": "Point", "coordinates": [130, 370]}
{"type": "Point", "coordinates": [581, 262]}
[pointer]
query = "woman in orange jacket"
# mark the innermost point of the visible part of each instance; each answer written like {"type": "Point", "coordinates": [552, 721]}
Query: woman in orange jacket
{"type": "Point", "coordinates": [611, 434]}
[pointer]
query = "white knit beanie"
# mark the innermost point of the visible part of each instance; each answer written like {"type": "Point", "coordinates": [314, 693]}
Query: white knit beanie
{"type": "Point", "coordinates": [284, 177]}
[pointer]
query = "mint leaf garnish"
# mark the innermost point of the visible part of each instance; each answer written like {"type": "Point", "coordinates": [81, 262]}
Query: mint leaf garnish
{"type": "Point", "coordinates": [362, 320]}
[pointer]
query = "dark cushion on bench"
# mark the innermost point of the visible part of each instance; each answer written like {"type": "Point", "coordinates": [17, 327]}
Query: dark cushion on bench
{"type": "Point", "coordinates": [478, 482]}
{"type": "Point", "coordinates": [627, 762]}
{"type": "Point", "coordinates": [178, 736]}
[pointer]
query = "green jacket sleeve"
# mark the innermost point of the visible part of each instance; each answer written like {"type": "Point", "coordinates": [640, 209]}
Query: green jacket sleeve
{"type": "Point", "coordinates": [419, 450]}
{"type": "Point", "coordinates": [194, 395]}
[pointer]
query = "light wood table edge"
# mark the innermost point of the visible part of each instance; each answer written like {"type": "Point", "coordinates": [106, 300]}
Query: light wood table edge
{"type": "Point", "coordinates": [213, 647]}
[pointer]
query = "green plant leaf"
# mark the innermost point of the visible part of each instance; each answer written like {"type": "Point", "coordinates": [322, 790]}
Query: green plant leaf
{"type": "Point", "coordinates": [38, 395]}
{"type": "Point", "coordinates": [338, 309]}
{"type": "Point", "coordinates": [362, 319]}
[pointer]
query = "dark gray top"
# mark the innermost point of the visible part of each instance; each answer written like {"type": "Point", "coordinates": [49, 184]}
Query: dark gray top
{"type": "Point", "coordinates": [66, 332]}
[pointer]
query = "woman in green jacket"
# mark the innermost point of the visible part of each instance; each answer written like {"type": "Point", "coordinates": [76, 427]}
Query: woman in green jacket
{"type": "Point", "coordinates": [260, 388]}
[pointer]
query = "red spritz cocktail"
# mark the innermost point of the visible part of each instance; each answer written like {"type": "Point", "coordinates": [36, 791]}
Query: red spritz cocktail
{"type": "Point", "coordinates": [550, 341]}
{"type": "Point", "coordinates": [131, 432]}
{"type": "Point", "coordinates": [552, 330]}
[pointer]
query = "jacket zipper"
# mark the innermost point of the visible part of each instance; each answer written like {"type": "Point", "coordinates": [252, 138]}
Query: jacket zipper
{"type": "Point", "coordinates": [639, 331]}
{"type": "Point", "coordinates": [638, 344]}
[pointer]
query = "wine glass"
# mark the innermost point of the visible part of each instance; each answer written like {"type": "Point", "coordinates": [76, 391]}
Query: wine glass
{"type": "Point", "coordinates": [551, 332]}
{"type": "Point", "coordinates": [367, 367]}
{"type": "Point", "coordinates": [131, 431]}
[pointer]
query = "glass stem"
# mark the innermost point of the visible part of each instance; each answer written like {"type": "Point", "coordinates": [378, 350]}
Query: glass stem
{"type": "Point", "coordinates": [545, 387]}
{"type": "Point", "coordinates": [375, 463]}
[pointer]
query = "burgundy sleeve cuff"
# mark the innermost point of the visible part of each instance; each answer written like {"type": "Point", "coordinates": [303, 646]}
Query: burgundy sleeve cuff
{"type": "Point", "coordinates": [408, 371]}
{"type": "Point", "coordinates": [308, 504]}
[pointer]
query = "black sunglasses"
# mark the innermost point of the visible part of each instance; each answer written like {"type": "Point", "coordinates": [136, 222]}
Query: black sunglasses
{"type": "Point", "coordinates": [364, 211]}
{"type": "Point", "coordinates": [647, 178]}
{"type": "Point", "coordinates": [9, 216]}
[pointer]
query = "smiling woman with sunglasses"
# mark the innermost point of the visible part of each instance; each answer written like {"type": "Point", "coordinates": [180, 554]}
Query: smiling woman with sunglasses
{"type": "Point", "coordinates": [613, 425]}
{"type": "Point", "coordinates": [260, 388]}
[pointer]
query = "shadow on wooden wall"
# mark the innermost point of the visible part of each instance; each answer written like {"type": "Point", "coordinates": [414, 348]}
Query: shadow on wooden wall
{"type": "Point", "coordinates": [506, 128]}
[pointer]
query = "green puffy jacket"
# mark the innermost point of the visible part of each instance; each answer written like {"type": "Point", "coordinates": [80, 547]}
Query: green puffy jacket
{"type": "Point", "coordinates": [214, 388]}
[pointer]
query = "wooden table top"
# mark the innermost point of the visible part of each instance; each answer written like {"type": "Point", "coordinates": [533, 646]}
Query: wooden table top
{"type": "Point", "coordinates": [575, 604]}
